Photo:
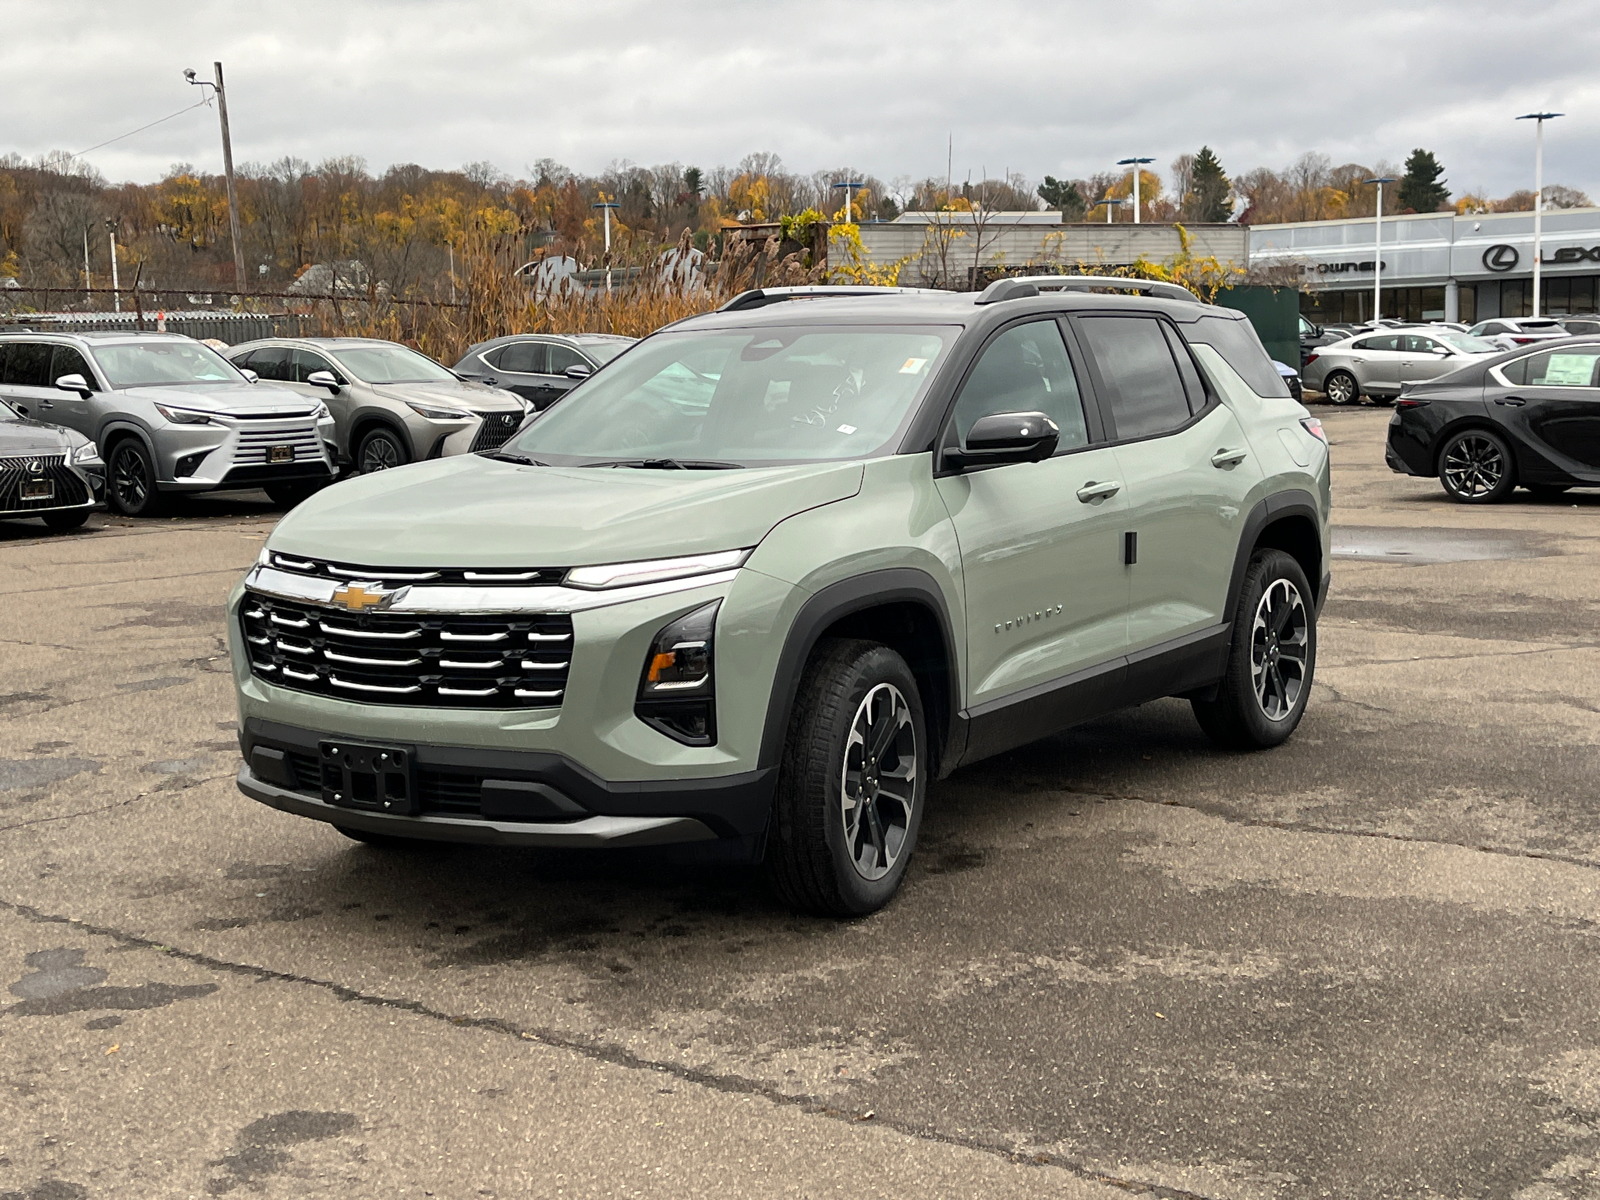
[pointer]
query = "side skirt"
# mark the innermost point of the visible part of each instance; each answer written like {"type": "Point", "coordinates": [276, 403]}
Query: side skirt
{"type": "Point", "coordinates": [1187, 664]}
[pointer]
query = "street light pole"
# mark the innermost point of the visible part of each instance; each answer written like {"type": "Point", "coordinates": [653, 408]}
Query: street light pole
{"type": "Point", "coordinates": [1137, 164]}
{"type": "Point", "coordinates": [239, 279]}
{"type": "Point", "coordinates": [116, 295]}
{"type": "Point", "coordinates": [1109, 203]}
{"type": "Point", "coordinates": [849, 198]}
{"type": "Point", "coordinates": [1377, 253]}
{"type": "Point", "coordinates": [1538, 120]}
{"type": "Point", "coordinates": [607, 206]}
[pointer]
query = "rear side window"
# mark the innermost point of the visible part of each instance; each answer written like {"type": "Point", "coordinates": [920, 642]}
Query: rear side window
{"type": "Point", "coordinates": [1239, 346]}
{"type": "Point", "coordinates": [1146, 392]}
{"type": "Point", "coordinates": [1025, 369]}
{"type": "Point", "coordinates": [525, 358]}
{"type": "Point", "coordinates": [67, 361]}
{"type": "Point", "coordinates": [1556, 368]}
{"type": "Point", "coordinates": [271, 364]}
{"type": "Point", "coordinates": [28, 365]}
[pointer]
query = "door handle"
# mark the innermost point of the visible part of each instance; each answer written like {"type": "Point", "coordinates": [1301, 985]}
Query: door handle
{"type": "Point", "coordinates": [1092, 491]}
{"type": "Point", "coordinates": [1228, 458]}
{"type": "Point", "coordinates": [1513, 401]}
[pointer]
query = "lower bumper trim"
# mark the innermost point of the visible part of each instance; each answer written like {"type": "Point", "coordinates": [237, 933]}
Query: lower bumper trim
{"type": "Point", "coordinates": [595, 831]}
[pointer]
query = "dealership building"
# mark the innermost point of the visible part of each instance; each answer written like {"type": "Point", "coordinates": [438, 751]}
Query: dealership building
{"type": "Point", "coordinates": [1438, 266]}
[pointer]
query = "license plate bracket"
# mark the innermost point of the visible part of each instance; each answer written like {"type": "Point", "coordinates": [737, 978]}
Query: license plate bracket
{"type": "Point", "coordinates": [280, 454]}
{"type": "Point", "coordinates": [38, 489]}
{"type": "Point", "coordinates": [373, 778]}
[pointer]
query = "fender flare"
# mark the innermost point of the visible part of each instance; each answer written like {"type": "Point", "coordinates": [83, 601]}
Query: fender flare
{"type": "Point", "coordinates": [364, 419]}
{"type": "Point", "coordinates": [837, 600]}
{"type": "Point", "coordinates": [1294, 502]}
{"type": "Point", "coordinates": [113, 430]}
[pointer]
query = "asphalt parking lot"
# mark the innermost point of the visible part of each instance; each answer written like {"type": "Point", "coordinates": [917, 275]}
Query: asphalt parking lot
{"type": "Point", "coordinates": [1364, 964]}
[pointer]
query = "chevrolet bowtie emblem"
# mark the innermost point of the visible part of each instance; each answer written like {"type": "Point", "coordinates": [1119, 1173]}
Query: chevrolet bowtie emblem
{"type": "Point", "coordinates": [356, 598]}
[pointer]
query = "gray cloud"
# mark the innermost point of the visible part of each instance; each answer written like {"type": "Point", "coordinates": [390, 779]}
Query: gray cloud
{"type": "Point", "coordinates": [1029, 85]}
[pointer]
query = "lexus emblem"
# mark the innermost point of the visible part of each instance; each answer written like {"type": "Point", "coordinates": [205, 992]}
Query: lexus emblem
{"type": "Point", "coordinates": [36, 467]}
{"type": "Point", "coordinates": [1501, 258]}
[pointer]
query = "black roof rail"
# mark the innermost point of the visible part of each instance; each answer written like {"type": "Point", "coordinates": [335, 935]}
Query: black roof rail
{"type": "Point", "coordinates": [1154, 288]}
{"type": "Point", "coordinates": [761, 297]}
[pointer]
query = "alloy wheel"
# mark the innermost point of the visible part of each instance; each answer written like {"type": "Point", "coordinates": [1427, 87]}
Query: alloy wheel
{"type": "Point", "coordinates": [379, 454]}
{"type": "Point", "coordinates": [128, 479]}
{"type": "Point", "coordinates": [879, 781]}
{"type": "Point", "coordinates": [1473, 466]}
{"type": "Point", "coordinates": [1279, 643]}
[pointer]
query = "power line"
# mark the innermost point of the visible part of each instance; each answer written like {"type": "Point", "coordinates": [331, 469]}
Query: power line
{"type": "Point", "coordinates": [141, 129]}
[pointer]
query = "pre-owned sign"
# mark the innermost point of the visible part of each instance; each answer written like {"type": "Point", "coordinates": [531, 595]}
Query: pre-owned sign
{"type": "Point", "coordinates": [1339, 268]}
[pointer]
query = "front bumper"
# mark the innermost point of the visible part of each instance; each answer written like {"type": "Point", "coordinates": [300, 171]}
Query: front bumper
{"type": "Point", "coordinates": [201, 458]}
{"type": "Point", "coordinates": [569, 806]}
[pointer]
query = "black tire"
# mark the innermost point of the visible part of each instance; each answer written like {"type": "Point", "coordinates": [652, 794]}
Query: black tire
{"type": "Point", "coordinates": [1272, 658]}
{"type": "Point", "coordinates": [820, 857]}
{"type": "Point", "coordinates": [1476, 467]}
{"type": "Point", "coordinates": [287, 495]}
{"type": "Point", "coordinates": [131, 480]}
{"type": "Point", "coordinates": [380, 449]}
{"type": "Point", "coordinates": [60, 522]}
{"type": "Point", "coordinates": [1341, 388]}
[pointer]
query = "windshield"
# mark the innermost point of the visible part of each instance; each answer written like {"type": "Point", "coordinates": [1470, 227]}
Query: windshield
{"type": "Point", "coordinates": [604, 352]}
{"type": "Point", "coordinates": [162, 364]}
{"type": "Point", "coordinates": [743, 397]}
{"type": "Point", "coordinates": [391, 364]}
{"type": "Point", "coordinates": [1465, 342]}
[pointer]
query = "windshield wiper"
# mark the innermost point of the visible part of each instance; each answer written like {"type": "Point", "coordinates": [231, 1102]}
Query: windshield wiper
{"type": "Point", "coordinates": [509, 456]}
{"type": "Point", "coordinates": [670, 464]}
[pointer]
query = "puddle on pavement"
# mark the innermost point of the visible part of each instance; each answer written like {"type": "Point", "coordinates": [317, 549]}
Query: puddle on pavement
{"type": "Point", "coordinates": [1425, 547]}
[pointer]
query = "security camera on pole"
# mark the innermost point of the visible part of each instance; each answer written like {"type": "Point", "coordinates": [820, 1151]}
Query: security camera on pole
{"type": "Point", "coordinates": [240, 281]}
{"type": "Point", "coordinates": [1377, 254]}
{"type": "Point", "coordinates": [1137, 164]}
{"type": "Point", "coordinates": [1538, 119]}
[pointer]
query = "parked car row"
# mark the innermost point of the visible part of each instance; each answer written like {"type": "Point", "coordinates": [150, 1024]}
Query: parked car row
{"type": "Point", "coordinates": [136, 418]}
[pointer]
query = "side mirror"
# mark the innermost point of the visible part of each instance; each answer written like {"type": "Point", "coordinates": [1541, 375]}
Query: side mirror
{"type": "Point", "coordinates": [325, 379]}
{"type": "Point", "coordinates": [1006, 438]}
{"type": "Point", "coordinates": [75, 383]}
{"type": "Point", "coordinates": [250, 375]}
{"type": "Point", "coordinates": [578, 371]}
{"type": "Point", "coordinates": [1443, 351]}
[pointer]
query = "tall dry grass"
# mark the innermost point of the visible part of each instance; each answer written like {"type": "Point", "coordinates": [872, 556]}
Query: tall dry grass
{"type": "Point", "coordinates": [496, 301]}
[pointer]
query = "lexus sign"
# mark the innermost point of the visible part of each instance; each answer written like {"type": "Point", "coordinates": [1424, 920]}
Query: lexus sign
{"type": "Point", "coordinates": [1501, 258]}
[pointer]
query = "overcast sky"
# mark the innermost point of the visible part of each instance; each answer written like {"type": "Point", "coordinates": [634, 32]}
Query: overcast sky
{"type": "Point", "coordinates": [1063, 87]}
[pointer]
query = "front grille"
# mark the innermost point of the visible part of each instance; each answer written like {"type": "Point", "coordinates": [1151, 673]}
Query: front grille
{"type": "Point", "coordinates": [496, 430]}
{"type": "Point", "coordinates": [14, 472]}
{"type": "Point", "coordinates": [255, 443]}
{"type": "Point", "coordinates": [395, 577]}
{"type": "Point", "coordinates": [439, 791]}
{"type": "Point", "coordinates": [514, 661]}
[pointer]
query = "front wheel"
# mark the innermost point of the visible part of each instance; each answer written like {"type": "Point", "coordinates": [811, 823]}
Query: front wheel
{"type": "Point", "coordinates": [1475, 467]}
{"type": "Point", "coordinates": [852, 784]}
{"type": "Point", "coordinates": [131, 480]}
{"type": "Point", "coordinates": [1341, 388]}
{"type": "Point", "coordinates": [380, 450]}
{"type": "Point", "coordinates": [1272, 658]}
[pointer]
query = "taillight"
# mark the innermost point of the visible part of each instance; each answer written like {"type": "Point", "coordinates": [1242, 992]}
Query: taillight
{"type": "Point", "coordinates": [1310, 358]}
{"type": "Point", "coordinates": [1410, 403]}
{"type": "Point", "coordinates": [1524, 341]}
{"type": "Point", "coordinates": [1315, 429]}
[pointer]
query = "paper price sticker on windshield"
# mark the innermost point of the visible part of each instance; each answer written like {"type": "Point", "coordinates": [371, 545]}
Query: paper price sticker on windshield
{"type": "Point", "coordinates": [913, 365]}
{"type": "Point", "coordinates": [1569, 370]}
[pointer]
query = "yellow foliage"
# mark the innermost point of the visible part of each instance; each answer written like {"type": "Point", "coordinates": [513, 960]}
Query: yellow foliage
{"type": "Point", "coordinates": [847, 261]}
{"type": "Point", "coordinates": [753, 193]}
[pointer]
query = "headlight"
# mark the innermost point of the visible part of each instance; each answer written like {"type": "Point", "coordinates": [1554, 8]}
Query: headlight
{"type": "Point", "coordinates": [654, 570]}
{"type": "Point", "coordinates": [87, 455]}
{"type": "Point", "coordinates": [435, 413]}
{"type": "Point", "coordinates": [676, 690]}
{"type": "Point", "coordinates": [184, 416]}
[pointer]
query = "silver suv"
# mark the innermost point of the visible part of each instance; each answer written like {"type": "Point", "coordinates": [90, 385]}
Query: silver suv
{"type": "Point", "coordinates": [390, 405]}
{"type": "Point", "coordinates": [169, 415]}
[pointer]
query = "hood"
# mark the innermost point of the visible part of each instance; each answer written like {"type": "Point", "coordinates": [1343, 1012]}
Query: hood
{"type": "Point", "coordinates": [226, 397]}
{"type": "Point", "coordinates": [450, 393]}
{"type": "Point", "coordinates": [471, 511]}
{"type": "Point", "coordinates": [35, 437]}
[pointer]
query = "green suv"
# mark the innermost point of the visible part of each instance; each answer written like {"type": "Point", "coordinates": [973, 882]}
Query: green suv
{"type": "Point", "coordinates": [764, 577]}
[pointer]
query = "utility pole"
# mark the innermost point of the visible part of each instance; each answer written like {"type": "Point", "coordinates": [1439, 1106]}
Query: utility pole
{"type": "Point", "coordinates": [88, 279]}
{"type": "Point", "coordinates": [240, 280]}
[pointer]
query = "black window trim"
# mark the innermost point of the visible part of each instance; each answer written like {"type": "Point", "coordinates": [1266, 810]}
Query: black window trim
{"type": "Point", "coordinates": [1091, 408]}
{"type": "Point", "coordinates": [1108, 418]}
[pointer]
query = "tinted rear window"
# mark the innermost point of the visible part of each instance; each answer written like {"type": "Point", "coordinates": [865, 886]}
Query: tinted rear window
{"type": "Point", "coordinates": [1241, 349]}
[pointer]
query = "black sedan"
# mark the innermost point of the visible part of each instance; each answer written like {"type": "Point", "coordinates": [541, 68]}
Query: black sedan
{"type": "Point", "coordinates": [47, 471]}
{"type": "Point", "coordinates": [1529, 418]}
{"type": "Point", "coordinates": [540, 367]}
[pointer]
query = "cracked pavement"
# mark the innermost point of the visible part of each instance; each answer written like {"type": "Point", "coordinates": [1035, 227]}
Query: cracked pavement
{"type": "Point", "coordinates": [1360, 965]}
